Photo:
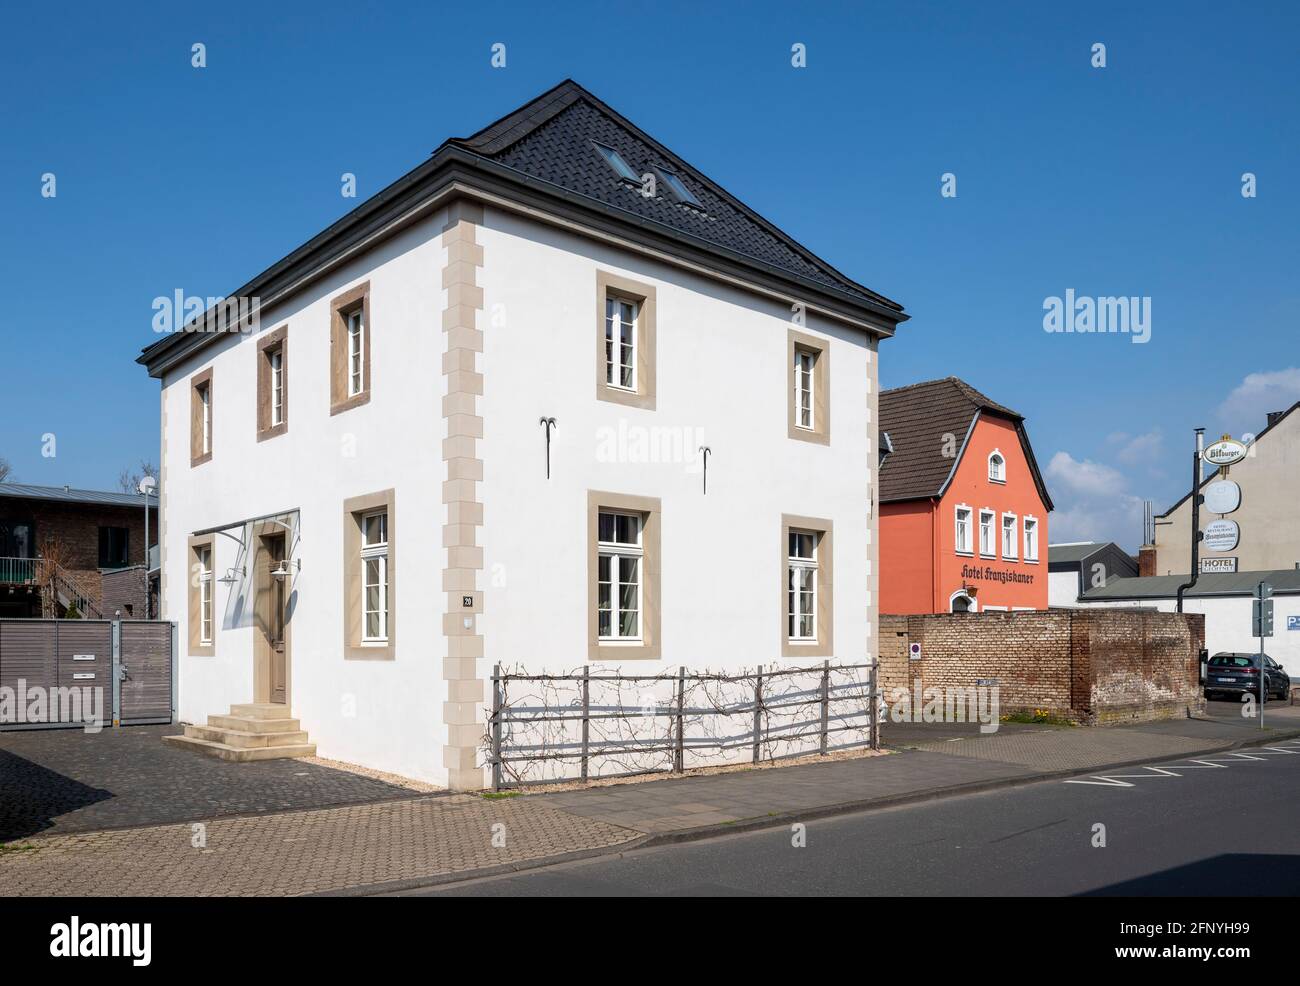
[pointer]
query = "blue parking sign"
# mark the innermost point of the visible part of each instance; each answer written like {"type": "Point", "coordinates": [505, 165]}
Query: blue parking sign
{"type": "Point", "coordinates": [1293, 622]}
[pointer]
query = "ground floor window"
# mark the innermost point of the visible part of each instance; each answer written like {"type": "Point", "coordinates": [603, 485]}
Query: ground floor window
{"type": "Point", "coordinates": [619, 576]}
{"type": "Point", "coordinates": [801, 595]}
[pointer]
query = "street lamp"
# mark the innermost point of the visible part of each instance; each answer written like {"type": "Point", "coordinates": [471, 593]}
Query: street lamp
{"type": "Point", "coordinates": [146, 488]}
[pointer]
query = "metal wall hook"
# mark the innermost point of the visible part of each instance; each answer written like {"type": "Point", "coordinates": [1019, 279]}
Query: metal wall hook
{"type": "Point", "coordinates": [705, 451]}
{"type": "Point", "coordinates": [548, 423]}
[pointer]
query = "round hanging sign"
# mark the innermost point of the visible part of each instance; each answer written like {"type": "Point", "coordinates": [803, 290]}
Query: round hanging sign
{"type": "Point", "coordinates": [1222, 497]}
{"type": "Point", "coordinates": [1221, 535]}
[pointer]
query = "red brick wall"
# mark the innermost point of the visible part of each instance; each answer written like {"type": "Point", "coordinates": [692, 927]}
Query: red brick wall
{"type": "Point", "coordinates": [77, 526]}
{"type": "Point", "coordinates": [1094, 666]}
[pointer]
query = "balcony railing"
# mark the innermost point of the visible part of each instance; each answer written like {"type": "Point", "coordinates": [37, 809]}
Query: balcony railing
{"type": "Point", "coordinates": [19, 570]}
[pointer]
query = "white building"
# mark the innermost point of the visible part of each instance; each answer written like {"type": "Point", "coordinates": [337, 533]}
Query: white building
{"type": "Point", "coordinates": [1074, 567]}
{"type": "Point", "coordinates": [1226, 602]}
{"type": "Point", "coordinates": [381, 440]}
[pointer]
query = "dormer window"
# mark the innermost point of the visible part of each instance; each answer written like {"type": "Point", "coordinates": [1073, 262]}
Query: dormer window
{"type": "Point", "coordinates": [680, 192]}
{"type": "Point", "coordinates": [615, 161]}
{"type": "Point", "coordinates": [997, 467]}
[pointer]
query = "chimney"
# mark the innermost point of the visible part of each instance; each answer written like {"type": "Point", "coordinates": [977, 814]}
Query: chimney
{"type": "Point", "coordinates": [1147, 560]}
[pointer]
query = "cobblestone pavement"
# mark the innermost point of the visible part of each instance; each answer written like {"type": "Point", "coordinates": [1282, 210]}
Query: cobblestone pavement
{"type": "Point", "coordinates": [66, 780]}
{"type": "Point", "coordinates": [303, 852]}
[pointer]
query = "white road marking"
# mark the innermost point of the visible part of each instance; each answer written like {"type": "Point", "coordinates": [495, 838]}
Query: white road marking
{"type": "Point", "coordinates": [1171, 769]}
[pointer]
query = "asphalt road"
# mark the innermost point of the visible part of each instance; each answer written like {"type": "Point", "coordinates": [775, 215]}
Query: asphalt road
{"type": "Point", "coordinates": [1232, 830]}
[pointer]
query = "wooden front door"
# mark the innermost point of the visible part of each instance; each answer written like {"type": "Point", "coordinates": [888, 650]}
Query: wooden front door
{"type": "Point", "coordinates": [275, 627]}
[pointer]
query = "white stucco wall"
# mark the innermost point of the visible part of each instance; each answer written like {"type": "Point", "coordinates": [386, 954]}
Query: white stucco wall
{"type": "Point", "coordinates": [1228, 625]}
{"type": "Point", "coordinates": [385, 714]}
{"type": "Point", "coordinates": [1063, 589]}
{"type": "Point", "coordinates": [722, 381]}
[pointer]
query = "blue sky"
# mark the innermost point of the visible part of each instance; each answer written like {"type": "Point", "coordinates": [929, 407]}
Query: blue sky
{"type": "Point", "coordinates": [1123, 180]}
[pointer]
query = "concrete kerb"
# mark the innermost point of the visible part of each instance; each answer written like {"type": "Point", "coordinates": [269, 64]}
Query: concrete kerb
{"type": "Point", "coordinates": [780, 819]}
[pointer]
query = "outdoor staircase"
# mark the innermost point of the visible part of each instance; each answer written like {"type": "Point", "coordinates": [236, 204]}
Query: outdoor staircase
{"type": "Point", "coordinates": [257, 731]}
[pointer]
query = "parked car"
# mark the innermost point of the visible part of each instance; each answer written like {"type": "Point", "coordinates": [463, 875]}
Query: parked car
{"type": "Point", "coordinates": [1232, 674]}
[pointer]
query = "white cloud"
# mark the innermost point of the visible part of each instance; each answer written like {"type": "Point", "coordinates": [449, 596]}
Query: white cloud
{"type": "Point", "coordinates": [1091, 501]}
{"type": "Point", "coordinates": [1137, 449]}
{"type": "Point", "coordinates": [1247, 407]}
{"type": "Point", "coordinates": [1087, 477]}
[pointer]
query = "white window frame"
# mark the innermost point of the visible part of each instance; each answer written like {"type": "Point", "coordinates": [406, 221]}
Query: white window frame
{"type": "Point", "coordinates": [356, 332]}
{"type": "Point", "coordinates": [374, 551]}
{"type": "Point", "coordinates": [794, 596]}
{"type": "Point", "coordinates": [805, 398]}
{"type": "Point", "coordinates": [276, 359]}
{"type": "Point", "coordinates": [1030, 556]}
{"type": "Point", "coordinates": [1002, 467]}
{"type": "Point", "coordinates": [617, 552]}
{"type": "Point", "coordinates": [1014, 540]}
{"type": "Point", "coordinates": [205, 402]}
{"type": "Point", "coordinates": [974, 603]}
{"type": "Point", "coordinates": [205, 594]}
{"type": "Point", "coordinates": [615, 346]}
{"type": "Point", "coordinates": [990, 529]}
{"type": "Point", "coordinates": [969, 544]}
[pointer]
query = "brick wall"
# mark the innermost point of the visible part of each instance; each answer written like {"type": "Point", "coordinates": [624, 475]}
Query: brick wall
{"type": "Point", "coordinates": [1093, 666]}
{"type": "Point", "coordinates": [77, 526]}
{"type": "Point", "coordinates": [124, 591]}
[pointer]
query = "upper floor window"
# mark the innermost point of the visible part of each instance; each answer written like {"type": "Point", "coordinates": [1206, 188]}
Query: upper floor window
{"type": "Point", "coordinates": [808, 388]}
{"type": "Point", "coordinates": [801, 586]}
{"type": "Point", "coordinates": [620, 342]}
{"type": "Point", "coordinates": [356, 352]}
{"type": "Point", "coordinates": [350, 342]}
{"type": "Point", "coordinates": [113, 549]}
{"type": "Point", "coordinates": [273, 384]}
{"type": "Point", "coordinates": [988, 544]}
{"type": "Point", "coordinates": [997, 467]}
{"type": "Point", "coordinates": [1031, 539]}
{"type": "Point", "coordinates": [277, 388]}
{"type": "Point", "coordinates": [803, 388]}
{"type": "Point", "coordinates": [619, 554]}
{"type": "Point", "coordinates": [625, 341]}
{"type": "Point", "coordinates": [1009, 536]}
{"type": "Point", "coordinates": [201, 417]}
{"type": "Point", "coordinates": [962, 528]}
{"type": "Point", "coordinates": [374, 585]}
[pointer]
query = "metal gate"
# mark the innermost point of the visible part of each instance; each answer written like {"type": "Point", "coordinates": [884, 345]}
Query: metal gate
{"type": "Point", "coordinates": [68, 673]}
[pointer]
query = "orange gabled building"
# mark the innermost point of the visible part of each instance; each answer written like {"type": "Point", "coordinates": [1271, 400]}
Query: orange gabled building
{"type": "Point", "coordinates": [963, 506]}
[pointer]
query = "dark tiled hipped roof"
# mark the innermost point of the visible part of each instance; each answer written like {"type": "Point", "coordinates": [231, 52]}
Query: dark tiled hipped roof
{"type": "Point", "coordinates": [917, 418]}
{"type": "Point", "coordinates": [543, 160]}
{"type": "Point", "coordinates": [552, 138]}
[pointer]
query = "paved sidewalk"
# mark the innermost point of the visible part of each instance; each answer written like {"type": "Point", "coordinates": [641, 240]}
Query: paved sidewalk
{"type": "Point", "coordinates": [380, 845]}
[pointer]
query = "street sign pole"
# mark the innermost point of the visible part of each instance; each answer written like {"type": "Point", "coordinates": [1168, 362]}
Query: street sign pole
{"type": "Point", "coordinates": [1263, 627]}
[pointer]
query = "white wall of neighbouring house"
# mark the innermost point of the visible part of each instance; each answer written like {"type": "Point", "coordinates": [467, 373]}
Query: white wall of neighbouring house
{"type": "Point", "coordinates": [1228, 624]}
{"type": "Point", "coordinates": [722, 380]}
{"type": "Point", "coordinates": [385, 714]}
{"type": "Point", "coordinates": [1063, 589]}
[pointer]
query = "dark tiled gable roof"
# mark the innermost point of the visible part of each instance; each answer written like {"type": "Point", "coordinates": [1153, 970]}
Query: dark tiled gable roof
{"type": "Point", "coordinates": [552, 138]}
{"type": "Point", "coordinates": [917, 418]}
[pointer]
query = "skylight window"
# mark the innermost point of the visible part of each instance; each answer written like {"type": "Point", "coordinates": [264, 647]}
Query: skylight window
{"type": "Point", "coordinates": [616, 162]}
{"type": "Point", "coordinates": [679, 189]}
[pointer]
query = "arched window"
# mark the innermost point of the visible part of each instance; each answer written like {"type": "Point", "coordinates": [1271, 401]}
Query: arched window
{"type": "Point", "coordinates": [959, 602]}
{"type": "Point", "coordinates": [997, 467]}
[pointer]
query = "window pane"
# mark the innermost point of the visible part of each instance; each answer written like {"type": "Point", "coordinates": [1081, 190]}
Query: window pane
{"type": "Point", "coordinates": [628, 529]}
{"type": "Point", "coordinates": [376, 529]}
{"type": "Point", "coordinates": [602, 568]}
{"type": "Point", "coordinates": [372, 624]}
{"type": "Point", "coordinates": [605, 528]}
{"type": "Point", "coordinates": [629, 623]}
{"type": "Point", "coordinates": [625, 376]}
{"type": "Point", "coordinates": [628, 571]}
{"type": "Point", "coordinates": [605, 625]}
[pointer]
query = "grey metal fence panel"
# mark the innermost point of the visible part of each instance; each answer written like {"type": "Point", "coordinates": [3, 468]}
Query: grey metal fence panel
{"type": "Point", "coordinates": [146, 683]}
{"type": "Point", "coordinates": [28, 659]}
{"type": "Point", "coordinates": [56, 656]}
{"type": "Point", "coordinates": [85, 652]}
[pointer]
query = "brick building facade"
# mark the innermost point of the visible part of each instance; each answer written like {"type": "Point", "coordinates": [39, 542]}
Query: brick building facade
{"type": "Point", "coordinates": [101, 547]}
